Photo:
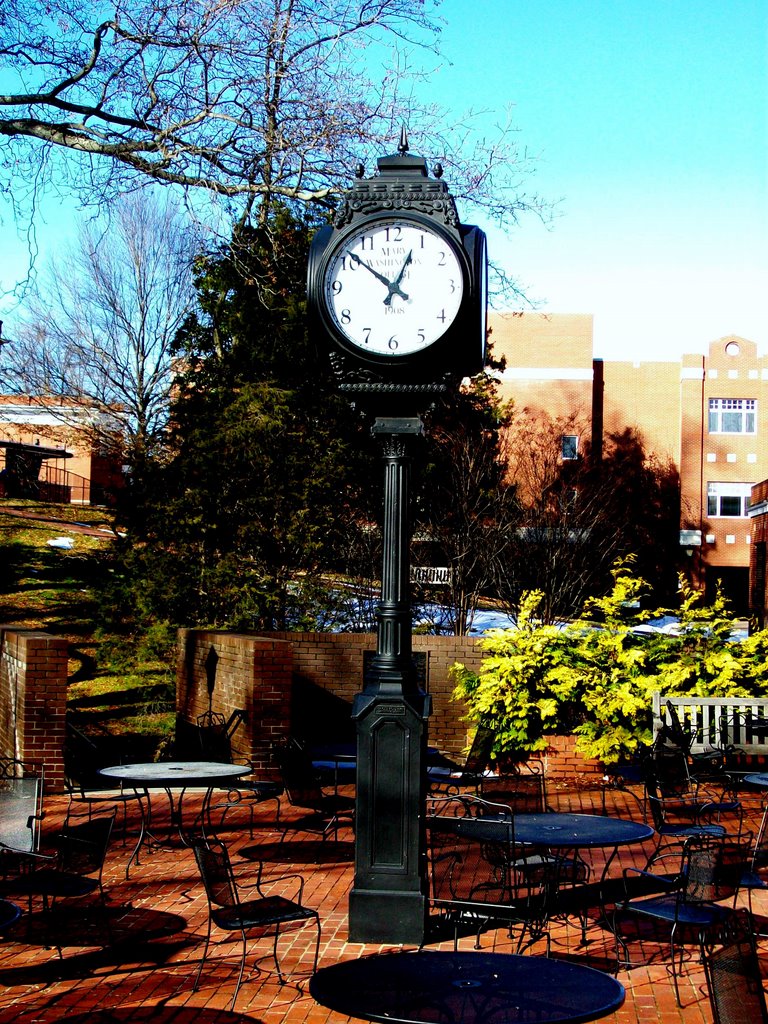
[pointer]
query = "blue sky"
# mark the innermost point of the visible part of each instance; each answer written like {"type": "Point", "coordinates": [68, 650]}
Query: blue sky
{"type": "Point", "coordinates": [651, 121]}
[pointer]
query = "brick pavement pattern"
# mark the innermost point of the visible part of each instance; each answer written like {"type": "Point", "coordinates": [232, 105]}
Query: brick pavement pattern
{"type": "Point", "coordinates": [158, 922]}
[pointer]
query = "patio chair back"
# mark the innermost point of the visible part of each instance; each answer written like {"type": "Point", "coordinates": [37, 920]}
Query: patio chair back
{"type": "Point", "coordinates": [21, 804]}
{"type": "Point", "coordinates": [216, 873]}
{"type": "Point", "coordinates": [667, 771]}
{"type": "Point", "coordinates": [81, 847]}
{"type": "Point", "coordinates": [734, 979]}
{"type": "Point", "coordinates": [523, 793]}
{"type": "Point", "coordinates": [479, 754]}
{"type": "Point", "coordinates": [214, 738]}
{"type": "Point", "coordinates": [298, 776]}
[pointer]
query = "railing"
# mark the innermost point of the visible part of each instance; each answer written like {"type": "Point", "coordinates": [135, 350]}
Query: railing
{"type": "Point", "coordinates": [718, 722]}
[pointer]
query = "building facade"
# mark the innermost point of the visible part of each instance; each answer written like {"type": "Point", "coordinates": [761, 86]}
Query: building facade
{"type": "Point", "coordinates": [706, 413]}
{"type": "Point", "coordinates": [758, 566]}
{"type": "Point", "coordinates": [47, 452]}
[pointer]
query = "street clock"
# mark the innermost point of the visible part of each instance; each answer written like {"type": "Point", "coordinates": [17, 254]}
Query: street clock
{"type": "Point", "coordinates": [397, 286]}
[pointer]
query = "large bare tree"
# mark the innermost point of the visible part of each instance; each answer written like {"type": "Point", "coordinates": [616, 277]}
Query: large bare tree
{"type": "Point", "coordinates": [98, 330]}
{"type": "Point", "coordinates": [582, 510]}
{"type": "Point", "coordinates": [241, 100]}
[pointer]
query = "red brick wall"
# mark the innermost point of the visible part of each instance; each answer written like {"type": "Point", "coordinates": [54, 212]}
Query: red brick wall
{"type": "Point", "coordinates": [562, 762]}
{"type": "Point", "coordinates": [259, 673]}
{"type": "Point", "coordinates": [33, 700]}
{"type": "Point", "coordinates": [227, 671]}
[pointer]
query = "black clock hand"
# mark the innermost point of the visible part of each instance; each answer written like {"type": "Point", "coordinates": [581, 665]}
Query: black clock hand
{"type": "Point", "coordinates": [394, 287]}
{"type": "Point", "coordinates": [362, 263]}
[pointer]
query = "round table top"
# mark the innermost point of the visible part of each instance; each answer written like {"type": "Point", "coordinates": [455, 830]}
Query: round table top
{"type": "Point", "coordinates": [430, 987]}
{"type": "Point", "coordinates": [554, 830]}
{"type": "Point", "coordinates": [167, 774]}
{"type": "Point", "coordinates": [757, 778]}
{"type": "Point", "coordinates": [579, 830]}
{"type": "Point", "coordinates": [9, 914]}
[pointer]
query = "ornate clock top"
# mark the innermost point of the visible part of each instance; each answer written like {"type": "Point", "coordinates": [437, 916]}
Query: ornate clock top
{"type": "Point", "coordinates": [401, 184]}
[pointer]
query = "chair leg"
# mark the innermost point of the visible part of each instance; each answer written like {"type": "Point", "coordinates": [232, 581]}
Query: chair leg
{"type": "Point", "coordinates": [317, 943]}
{"type": "Point", "coordinates": [274, 954]}
{"type": "Point", "coordinates": [242, 969]}
{"type": "Point", "coordinates": [675, 973]}
{"type": "Point", "coordinates": [202, 958]}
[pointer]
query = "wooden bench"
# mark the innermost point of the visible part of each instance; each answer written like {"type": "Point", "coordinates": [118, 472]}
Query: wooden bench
{"type": "Point", "coordinates": [721, 723]}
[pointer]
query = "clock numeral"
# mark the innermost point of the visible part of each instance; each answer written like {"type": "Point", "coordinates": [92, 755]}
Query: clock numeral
{"type": "Point", "coordinates": [367, 335]}
{"type": "Point", "coordinates": [421, 336]}
{"type": "Point", "coordinates": [441, 260]}
{"type": "Point", "coordinates": [336, 287]}
{"type": "Point", "coordinates": [441, 316]}
{"type": "Point", "coordinates": [346, 316]}
{"type": "Point", "coordinates": [452, 285]}
{"type": "Point", "coordinates": [366, 242]}
{"type": "Point", "coordinates": [351, 265]}
{"type": "Point", "coordinates": [393, 343]}
{"type": "Point", "coordinates": [394, 234]}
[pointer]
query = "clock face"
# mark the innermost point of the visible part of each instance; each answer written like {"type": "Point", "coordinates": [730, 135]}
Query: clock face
{"type": "Point", "coordinates": [393, 287]}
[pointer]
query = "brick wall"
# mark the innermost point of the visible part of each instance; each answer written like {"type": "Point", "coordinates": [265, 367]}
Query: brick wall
{"type": "Point", "coordinates": [33, 700]}
{"type": "Point", "coordinates": [304, 684]}
{"type": "Point", "coordinates": [221, 672]}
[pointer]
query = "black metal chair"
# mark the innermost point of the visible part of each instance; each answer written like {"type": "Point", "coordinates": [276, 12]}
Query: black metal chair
{"type": "Point", "coordinates": [479, 884]}
{"type": "Point", "coordinates": [448, 776]}
{"type": "Point", "coordinates": [734, 980]}
{"type": "Point", "coordinates": [231, 914]}
{"type": "Point", "coordinates": [85, 787]}
{"type": "Point", "coordinates": [75, 869]}
{"type": "Point", "coordinates": [681, 806]}
{"type": "Point", "coordinates": [703, 762]}
{"type": "Point", "coordinates": [215, 735]}
{"type": "Point", "coordinates": [328, 811]}
{"type": "Point", "coordinates": [753, 876]}
{"type": "Point", "coordinates": [695, 903]}
{"type": "Point", "coordinates": [21, 810]}
{"type": "Point", "coordinates": [524, 791]}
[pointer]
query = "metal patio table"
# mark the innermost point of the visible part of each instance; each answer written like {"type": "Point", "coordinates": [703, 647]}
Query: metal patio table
{"type": "Point", "coordinates": [560, 834]}
{"type": "Point", "coordinates": [431, 987]}
{"type": "Point", "coordinates": [172, 777]}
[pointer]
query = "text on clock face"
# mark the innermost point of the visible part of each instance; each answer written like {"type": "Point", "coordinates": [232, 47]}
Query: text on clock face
{"type": "Point", "coordinates": [394, 272]}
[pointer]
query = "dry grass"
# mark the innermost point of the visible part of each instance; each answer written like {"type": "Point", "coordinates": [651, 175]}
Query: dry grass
{"type": "Point", "coordinates": [58, 590]}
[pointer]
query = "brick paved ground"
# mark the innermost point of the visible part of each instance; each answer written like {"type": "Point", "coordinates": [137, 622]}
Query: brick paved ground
{"type": "Point", "coordinates": [158, 920]}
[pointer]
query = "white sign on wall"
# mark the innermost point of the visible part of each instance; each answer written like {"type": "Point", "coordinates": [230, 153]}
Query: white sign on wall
{"type": "Point", "coordinates": [430, 574]}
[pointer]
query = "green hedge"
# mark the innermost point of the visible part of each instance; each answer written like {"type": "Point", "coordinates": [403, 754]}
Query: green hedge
{"type": "Point", "coordinates": [594, 677]}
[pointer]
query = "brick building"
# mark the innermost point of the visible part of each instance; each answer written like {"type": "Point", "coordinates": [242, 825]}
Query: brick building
{"type": "Point", "coordinates": [758, 576]}
{"type": "Point", "coordinates": [707, 413]}
{"type": "Point", "coordinates": [46, 452]}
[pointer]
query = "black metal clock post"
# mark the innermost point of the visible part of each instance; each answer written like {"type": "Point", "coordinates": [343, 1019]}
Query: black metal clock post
{"type": "Point", "coordinates": [398, 287]}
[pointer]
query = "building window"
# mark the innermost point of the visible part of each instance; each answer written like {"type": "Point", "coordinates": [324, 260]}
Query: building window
{"type": "Point", "coordinates": [570, 447]}
{"type": "Point", "coordinates": [731, 500]}
{"type": "Point", "coordinates": [732, 415]}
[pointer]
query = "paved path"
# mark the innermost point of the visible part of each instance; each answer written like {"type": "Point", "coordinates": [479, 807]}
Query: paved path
{"type": "Point", "coordinates": [58, 524]}
{"type": "Point", "coordinates": [158, 921]}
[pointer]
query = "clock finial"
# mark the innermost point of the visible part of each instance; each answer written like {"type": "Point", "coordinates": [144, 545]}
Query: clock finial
{"type": "Point", "coordinates": [402, 149]}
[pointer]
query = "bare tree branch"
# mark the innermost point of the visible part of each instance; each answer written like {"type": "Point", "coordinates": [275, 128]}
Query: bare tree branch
{"type": "Point", "coordinates": [98, 332]}
{"type": "Point", "coordinates": [237, 99]}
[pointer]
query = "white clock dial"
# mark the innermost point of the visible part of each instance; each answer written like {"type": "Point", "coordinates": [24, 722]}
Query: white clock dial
{"type": "Point", "coordinates": [393, 287]}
